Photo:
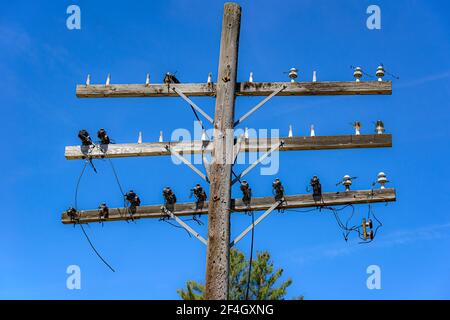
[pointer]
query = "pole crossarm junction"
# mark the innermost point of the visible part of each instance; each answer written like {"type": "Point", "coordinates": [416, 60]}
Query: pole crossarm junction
{"type": "Point", "coordinates": [257, 204]}
{"type": "Point", "coordinates": [257, 221]}
{"type": "Point", "coordinates": [242, 89]}
{"type": "Point", "coordinates": [299, 143]}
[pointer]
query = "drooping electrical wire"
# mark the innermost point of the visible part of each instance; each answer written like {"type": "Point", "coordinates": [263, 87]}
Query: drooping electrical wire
{"type": "Point", "coordinates": [345, 226]}
{"type": "Point", "coordinates": [389, 73]}
{"type": "Point", "coordinates": [95, 250]}
{"type": "Point", "coordinates": [251, 257]}
{"type": "Point", "coordinates": [199, 222]}
{"type": "Point", "coordinates": [199, 120]}
{"type": "Point", "coordinates": [116, 176]}
{"type": "Point", "coordinates": [371, 214]}
{"type": "Point", "coordinates": [78, 185]}
{"type": "Point", "coordinates": [175, 226]}
{"type": "Point", "coordinates": [204, 130]}
{"type": "Point", "coordinates": [81, 225]}
{"type": "Point", "coordinates": [235, 175]}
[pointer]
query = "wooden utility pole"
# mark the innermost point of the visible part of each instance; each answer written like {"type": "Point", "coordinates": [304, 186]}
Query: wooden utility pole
{"type": "Point", "coordinates": [218, 252]}
{"type": "Point", "coordinates": [224, 150]}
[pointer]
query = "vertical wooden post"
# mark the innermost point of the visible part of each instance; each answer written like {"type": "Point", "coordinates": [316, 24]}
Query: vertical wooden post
{"type": "Point", "coordinates": [218, 252]}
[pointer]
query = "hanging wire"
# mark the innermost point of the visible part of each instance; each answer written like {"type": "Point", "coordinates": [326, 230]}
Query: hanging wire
{"type": "Point", "coordinates": [378, 221]}
{"type": "Point", "coordinates": [81, 225]}
{"type": "Point", "coordinates": [95, 250]}
{"type": "Point", "coordinates": [344, 226]}
{"type": "Point", "coordinates": [392, 75]}
{"type": "Point", "coordinates": [251, 257]}
{"type": "Point", "coordinates": [125, 202]}
{"type": "Point", "coordinates": [167, 218]}
{"type": "Point", "coordinates": [199, 222]}
{"type": "Point", "coordinates": [203, 128]}
{"type": "Point", "coordinates": [116, 176]}
{"type": "Point", "coordinates": [78, 185]}
{"type": "Point", "coordinates": [199, 120]}
{"type": "Point", "coordinates": [180, 227]}
{"type": "Point", "coordinates": [236, 176]}
{"type": "Point", "coordinates": [388, 73]}
{"type": "Point", "coordinates": [92, 165]}
{"type": "Point", "coordinates": [371, 214]}
{"type": "Point", "coordinates": [89, 158]}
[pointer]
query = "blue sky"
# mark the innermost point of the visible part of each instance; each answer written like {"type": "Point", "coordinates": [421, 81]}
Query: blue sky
{"type": "Point", "coordinates": [41, 61]}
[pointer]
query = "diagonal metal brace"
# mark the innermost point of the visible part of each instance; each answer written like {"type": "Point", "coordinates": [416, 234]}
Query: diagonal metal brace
{"type": "Point", "coordinates": [259, 105]}
{"type": "Point", "coordinates": [185, 226]}
{"type": "Point", "coordinates": [254, 164]}
{"type": "Point", "coordinates": [192, 104]}
{"type": "Point", "coordinates": [186, 162]}
{"type": "Point", "coordinates": [250, 227]}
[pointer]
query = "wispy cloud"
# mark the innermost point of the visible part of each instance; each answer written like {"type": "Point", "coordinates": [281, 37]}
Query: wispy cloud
{"type": "Point", "coordinates": [393, 239]}
{"type": "Point", "coordinates": [18, 44]}
{"type": "Point", "coordinates": [423, 80]}
{"type": "Point", "coordinates": [432, 232]}
{"type": "Point", "coordinates": [14, 39]}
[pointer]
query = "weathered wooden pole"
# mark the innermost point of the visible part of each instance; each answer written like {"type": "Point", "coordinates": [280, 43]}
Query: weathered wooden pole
{"type": "Point", "coordinates": [218, 252]}
{"type": "Point", "coordinates": [220, 204]}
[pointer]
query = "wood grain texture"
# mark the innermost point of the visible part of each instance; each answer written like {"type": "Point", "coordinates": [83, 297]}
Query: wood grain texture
{"type": "Point", "coordinates": [258, 204]}
{"type": "Point", "coordinates": [251, 145]}
{"type": "Point", "coordinates": [242, 89]}
{"type": "Point", "coordinates": [218, 249]}
{"type": "Point", "coordinates": [141, 90]}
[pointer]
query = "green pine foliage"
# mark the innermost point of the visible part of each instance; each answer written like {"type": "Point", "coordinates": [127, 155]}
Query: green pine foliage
{"type": "Point", "coordinates": [265, 283]}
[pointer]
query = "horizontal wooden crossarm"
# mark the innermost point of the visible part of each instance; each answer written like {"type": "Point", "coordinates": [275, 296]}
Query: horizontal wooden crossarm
{"type": "Point", "coordinates": [250, 145]}
{"type": "Point", "coordinates": [242, 89]}
{"type": "Point", "coordinates": [257, 204]}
